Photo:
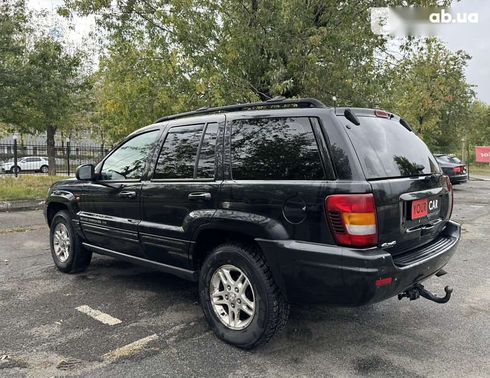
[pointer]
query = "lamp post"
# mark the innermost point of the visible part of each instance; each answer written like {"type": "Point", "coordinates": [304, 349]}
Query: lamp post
{"type": "Point", "coordinates": [15, 136]}
{"type": "Point", "coordinates": [462, 148]}
{"type": "Point", "coordinates": [68, 154]}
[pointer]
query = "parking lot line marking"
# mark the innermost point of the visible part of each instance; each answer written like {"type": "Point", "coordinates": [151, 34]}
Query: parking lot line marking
{"type": "Point", "coordinates": [98, 315]}
{"type": "Point", "coordinates": [129, 349]}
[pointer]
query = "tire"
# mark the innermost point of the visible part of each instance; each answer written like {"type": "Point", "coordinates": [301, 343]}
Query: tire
{"type": "Point", "coordinates": [44, 169]}
{"type": "Point", "coordinates": [14, 169]}
{"type": "Point", "coordinates": [270, 310]}
{"type": "Point", "coordinates": [73, 259]}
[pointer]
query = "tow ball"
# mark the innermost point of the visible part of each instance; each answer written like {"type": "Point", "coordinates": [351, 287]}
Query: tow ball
{"type": "Point", "coordinates": [418, 290]}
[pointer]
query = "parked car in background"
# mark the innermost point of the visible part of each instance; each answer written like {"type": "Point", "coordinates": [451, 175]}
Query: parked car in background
{"type": "Point", "coordinates": [452, 167]}
{"type": "Point", "coordinates": [28, 163]}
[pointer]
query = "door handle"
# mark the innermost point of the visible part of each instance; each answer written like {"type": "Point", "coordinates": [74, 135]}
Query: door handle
{"type": "Point", "coordinates": [199, 196]}
{"type": "Point", "coordinates": [127, 194]}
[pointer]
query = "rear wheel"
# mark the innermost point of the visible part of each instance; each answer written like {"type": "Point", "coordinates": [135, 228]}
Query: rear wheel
{"type": "Point", "coordinates": [67, 251]}
{"type": "Point", "coordinates": [44, 169]}
{"type": "Point", "coordinates": [239, 297]}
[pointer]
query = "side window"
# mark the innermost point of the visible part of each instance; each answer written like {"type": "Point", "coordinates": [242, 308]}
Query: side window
{"type": "Point", "coordinates": [275, 149]}
{"type": "Point", "coordinates": [128, 161]}
{"type": "Point", "coordinates": [178, 155]}
{"type": "Point", "coordinates": [205, 166]}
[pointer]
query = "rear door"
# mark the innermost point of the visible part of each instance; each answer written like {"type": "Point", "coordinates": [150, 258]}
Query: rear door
{"type": "Point", "coordinates": [280, 173]}
{"type": "Point", "coordinates": [412, 196]}
{"type": "Point", "coordinates": [183, 189]}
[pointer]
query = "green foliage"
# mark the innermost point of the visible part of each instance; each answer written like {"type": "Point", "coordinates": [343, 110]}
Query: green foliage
{"type": "Point", "coordinates": [12, 69]}
{"type": "Point", "coordinates": [166, 56]}
{"type": "Point", "coordinates": [40, 80]}
{"type": "Point", "coordinates": [52, 87]}
{"type": "Point", "coordinates": [428, 88]}
{"type": "Point", "coordinates": [479, 124]}
{"type": "Point", "coordinates": [169, 56]}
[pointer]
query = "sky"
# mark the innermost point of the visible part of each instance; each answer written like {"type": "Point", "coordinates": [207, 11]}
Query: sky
{"type": "Point", "coordinates": [473, 38]}
{"type": "Point", "coordinates": [82, 26]}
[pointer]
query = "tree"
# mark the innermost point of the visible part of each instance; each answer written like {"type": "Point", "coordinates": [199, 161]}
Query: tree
{"type": "Point", "coordinates": [53, 83]}
{"type": "Point", "coordinates": [429, 89]}
{"type": "Point", "coordinates": [167, 56]}
{"type": "Point", "coordinates": [479, 124]}
{"type": "Point", "coordinates": [39, 79]}
{"type": "Point", "coordinates": [13, 30]}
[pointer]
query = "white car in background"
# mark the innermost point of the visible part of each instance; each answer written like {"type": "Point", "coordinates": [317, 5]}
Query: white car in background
{"type": "Point", "coordinates": [28, 163]}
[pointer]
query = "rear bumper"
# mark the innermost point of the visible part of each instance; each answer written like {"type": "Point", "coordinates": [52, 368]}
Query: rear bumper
{"type": "Point", "coordinates": [455, 179]}
{"type": "Point", "coordinates": [318, 273]}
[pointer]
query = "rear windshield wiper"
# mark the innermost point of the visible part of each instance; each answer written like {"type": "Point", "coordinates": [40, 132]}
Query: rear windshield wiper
{"type": "Point", "coordinates": [405, 124]}
{"type": "Point", "coordinates": [351, 117]}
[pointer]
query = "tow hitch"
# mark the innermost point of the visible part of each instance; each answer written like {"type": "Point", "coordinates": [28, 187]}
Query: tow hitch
{"type": "Point", "coordinates": [418, 290]}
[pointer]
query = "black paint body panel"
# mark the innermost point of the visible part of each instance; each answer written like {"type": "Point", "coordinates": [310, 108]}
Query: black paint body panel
{"type": "Point", "coordinates": [160, 225]}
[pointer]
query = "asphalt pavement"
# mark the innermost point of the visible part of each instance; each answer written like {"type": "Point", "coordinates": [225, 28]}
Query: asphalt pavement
{"type": "Point", "coordinates": [117, 319]}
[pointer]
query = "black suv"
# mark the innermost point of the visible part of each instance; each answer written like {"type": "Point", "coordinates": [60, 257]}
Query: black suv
{"type": "Point", "coordinates": [265, 204]}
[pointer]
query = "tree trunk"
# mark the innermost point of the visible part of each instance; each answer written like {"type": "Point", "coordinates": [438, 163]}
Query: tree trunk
{"type": "Point", "coordinates": [51, 150]}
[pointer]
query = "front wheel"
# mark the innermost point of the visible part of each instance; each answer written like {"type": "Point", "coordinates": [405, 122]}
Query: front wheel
{"type": "Point", "coordinates": [67, 251]}
{"type": "Point", "coordinates": [239, 297]}
{"type": "Point", "coordinates": [15, 169]}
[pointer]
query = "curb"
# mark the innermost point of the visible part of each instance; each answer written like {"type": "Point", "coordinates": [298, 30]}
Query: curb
{"type": "Point", "coordinates": [21, 205]}
{"type": "Point", "coordinates": [479, 178]}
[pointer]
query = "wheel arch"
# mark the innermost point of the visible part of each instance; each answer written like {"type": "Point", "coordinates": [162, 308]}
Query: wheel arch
{"type": "Point", "coordinates": [210, 236]}
{"type": "Point", "coordinates": [52, 208]}
{"type": "Point", "coordinates": [60, 200]}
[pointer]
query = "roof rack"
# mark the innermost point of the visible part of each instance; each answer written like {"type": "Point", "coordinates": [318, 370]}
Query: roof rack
{"type": "Point", "coordinates": [273, 103]}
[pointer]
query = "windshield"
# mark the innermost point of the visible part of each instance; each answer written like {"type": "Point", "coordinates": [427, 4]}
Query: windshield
{"type": "Point", "coordinates": [387, 149]}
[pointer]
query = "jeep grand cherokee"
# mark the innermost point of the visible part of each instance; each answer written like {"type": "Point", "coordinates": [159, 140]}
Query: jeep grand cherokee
{"type": "Point", "coordinates": [265, 204]}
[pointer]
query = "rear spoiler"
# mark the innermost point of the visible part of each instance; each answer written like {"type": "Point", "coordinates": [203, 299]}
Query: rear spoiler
{"type": "Point", "coordinates": [352, 115]}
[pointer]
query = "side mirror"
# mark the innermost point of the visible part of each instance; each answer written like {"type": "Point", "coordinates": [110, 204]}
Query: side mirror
{"type": "Point", "coordinates": [85, 172]}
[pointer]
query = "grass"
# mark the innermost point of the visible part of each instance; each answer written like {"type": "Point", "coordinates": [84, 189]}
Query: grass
{"type": "Point", "coordinates": [480, 169]}
{"type": "Point", "coordinates": [25, 187]}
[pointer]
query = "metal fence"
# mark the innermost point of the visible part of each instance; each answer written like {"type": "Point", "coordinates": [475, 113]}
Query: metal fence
{"type": "Point", "coordinates": [33, 158]}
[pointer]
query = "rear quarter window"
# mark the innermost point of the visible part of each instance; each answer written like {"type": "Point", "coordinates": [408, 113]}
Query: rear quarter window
{"type": "Point", "coordinates": [387, 149]}
{"type": "Point", "coordinates": [275, 149]}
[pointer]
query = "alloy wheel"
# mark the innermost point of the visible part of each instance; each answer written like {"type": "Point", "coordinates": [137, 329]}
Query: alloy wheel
{"type": "Point", "coordinates": [61, 242]}
{"type": "Point", "coordinates": [232, 297]}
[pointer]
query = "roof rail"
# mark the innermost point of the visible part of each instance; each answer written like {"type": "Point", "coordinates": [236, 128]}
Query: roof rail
{"type": "Point", "coordinates": [276, 102]}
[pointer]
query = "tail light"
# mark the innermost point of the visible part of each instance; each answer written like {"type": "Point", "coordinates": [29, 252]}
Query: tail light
{"type": "Point", "coordinates": [458, 170]}
{"type": "Point", "coordinates": [451, 195]}
{"type": "Point", "coordinates": [352, 218]}
{"type": "Point", "coordinates": [382, 114]}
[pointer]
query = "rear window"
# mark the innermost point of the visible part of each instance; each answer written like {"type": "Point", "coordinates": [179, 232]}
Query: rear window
{"type": "Point", "coordinates": [387, 149]}
{"type": "Point", "coordinates": [178, 155]}
{"type": "Point", "coordinates": [448, 159]}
